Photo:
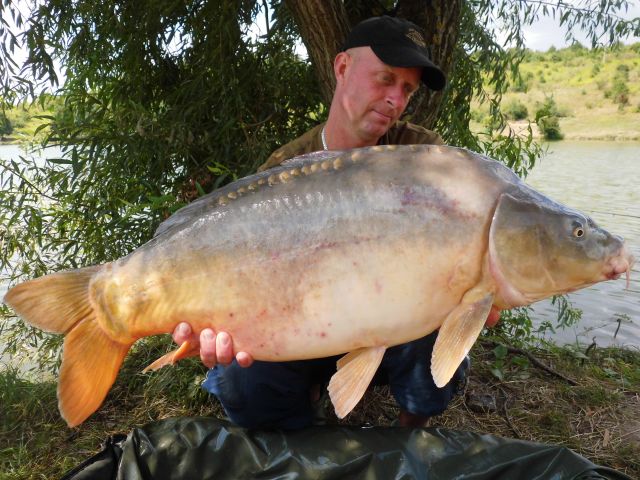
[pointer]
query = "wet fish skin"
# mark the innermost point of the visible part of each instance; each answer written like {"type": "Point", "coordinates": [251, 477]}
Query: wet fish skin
{"type": "Point", "coordinates": [335, 252]}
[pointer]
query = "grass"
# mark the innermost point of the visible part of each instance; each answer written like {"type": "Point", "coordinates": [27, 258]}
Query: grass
{"type": "Point", "coordinates": [25, 121]}
{"type": "Point", "coordinates": [579, 82]}
{"type": "Point", "coordinates": [36, 443]}
{"type": "Point", "coordinates": [597, 418]}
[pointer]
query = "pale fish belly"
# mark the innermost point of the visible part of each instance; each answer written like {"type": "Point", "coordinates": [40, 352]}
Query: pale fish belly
{"type": "Point", "coordinates": [345, 297]}
{"type": "Point", "coordinates": [301, 304]}
{"type": "Point", "coordinates": [393, 293]}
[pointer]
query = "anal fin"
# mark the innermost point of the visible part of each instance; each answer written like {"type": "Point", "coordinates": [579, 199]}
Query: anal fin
{"type": "Point", "coordinates": [458, 333]}
{"type": "Point", "coordinates": [355, 372]}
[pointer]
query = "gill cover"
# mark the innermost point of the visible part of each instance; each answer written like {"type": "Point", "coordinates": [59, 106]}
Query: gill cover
{"type": "Point", "coordinates": [538, 248]}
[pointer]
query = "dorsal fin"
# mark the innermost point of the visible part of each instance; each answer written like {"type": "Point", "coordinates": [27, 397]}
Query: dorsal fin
{"type": "Point", "coordinates": [220, 196]}
{"type": "Point", "coordinates": [311, 157]}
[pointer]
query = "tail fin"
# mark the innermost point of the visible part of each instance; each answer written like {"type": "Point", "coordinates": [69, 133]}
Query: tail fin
{"type": "Point", "coordinates": [55, 302]}
{"type": "Point", "coordinates": [90, 363]}
{"type": "Point", "coordinates": [91, 359]}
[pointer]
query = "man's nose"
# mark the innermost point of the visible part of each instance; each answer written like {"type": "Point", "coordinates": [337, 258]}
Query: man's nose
{"type": "Point", "coordinates": [396, 98]}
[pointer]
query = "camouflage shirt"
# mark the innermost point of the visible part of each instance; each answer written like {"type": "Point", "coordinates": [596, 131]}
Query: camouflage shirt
{"type": "Point", "coordinates": [401, 133]}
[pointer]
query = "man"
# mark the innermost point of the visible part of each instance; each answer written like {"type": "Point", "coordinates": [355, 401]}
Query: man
{"type": "Point", "coordinates": [380, 68]}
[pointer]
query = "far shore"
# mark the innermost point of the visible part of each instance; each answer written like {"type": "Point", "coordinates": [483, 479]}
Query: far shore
{"type": "Point", "coordinates": [520, 128]}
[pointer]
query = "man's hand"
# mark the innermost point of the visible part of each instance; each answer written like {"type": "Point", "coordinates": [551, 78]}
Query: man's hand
{"type": "Point", "coordinates": [218, 348]}
{"type": "Point", "coordinates": [494, 317]}
{"type": "Point", "coordinates": [214, 348]}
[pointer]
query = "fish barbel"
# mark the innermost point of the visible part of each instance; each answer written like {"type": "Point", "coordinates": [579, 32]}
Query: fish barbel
{"type": "Point", "coordinates": [334, 252]}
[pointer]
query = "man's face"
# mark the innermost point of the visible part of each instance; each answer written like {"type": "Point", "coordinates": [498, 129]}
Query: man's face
{"type": "Point", "coordinates": [372, 94]}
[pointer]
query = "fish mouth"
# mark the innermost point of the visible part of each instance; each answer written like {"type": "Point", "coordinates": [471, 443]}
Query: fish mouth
{"type": "Point", "coordinates": [619, 264]}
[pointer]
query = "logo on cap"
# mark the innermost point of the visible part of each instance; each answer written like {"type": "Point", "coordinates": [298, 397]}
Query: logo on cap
{"type": "Point", "coordinates": [416, 37]}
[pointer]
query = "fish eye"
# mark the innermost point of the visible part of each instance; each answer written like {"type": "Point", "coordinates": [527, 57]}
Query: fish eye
{"type": "Point", "coordinates": [578, 230]}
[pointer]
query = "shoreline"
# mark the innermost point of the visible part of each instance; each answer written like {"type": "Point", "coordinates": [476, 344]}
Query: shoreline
{"type": "Point", "coordinates": [520, 128]}
{"type": "Point", "coordinates": [517, 128]}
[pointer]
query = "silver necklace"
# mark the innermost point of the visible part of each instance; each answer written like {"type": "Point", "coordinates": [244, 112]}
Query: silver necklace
{"type": "Point", "coordinates": [324, 138]}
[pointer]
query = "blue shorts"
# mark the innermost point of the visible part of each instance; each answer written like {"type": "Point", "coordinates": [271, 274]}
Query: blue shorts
{"type": "Point", "coordinates": [276, 394]}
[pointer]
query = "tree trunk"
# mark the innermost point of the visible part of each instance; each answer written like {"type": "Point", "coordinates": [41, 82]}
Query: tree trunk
{"type": "Point", "coordinates": [324, 24]}
{"type": "Point", "coordinates": [440, 20]}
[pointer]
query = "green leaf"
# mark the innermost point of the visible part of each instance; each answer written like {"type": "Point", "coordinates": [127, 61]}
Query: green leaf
{"type": "Point", "coordinates": [498, 373]}
{"type": "Point", "coordinates": [521, 362]}
{"type": "Point", "coordinates": [500, 351]}
{"type": "Point", "coordinates": [201, 191]}
{"type": "Point", "coordinates": [59, 161]}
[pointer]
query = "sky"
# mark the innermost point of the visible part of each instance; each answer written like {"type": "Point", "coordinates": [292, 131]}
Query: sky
{"type": "Point", "coordinates": [546, 32]}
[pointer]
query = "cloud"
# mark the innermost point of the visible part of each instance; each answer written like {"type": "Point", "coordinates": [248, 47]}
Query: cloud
{"type": "Point", "coordinates": [547, 32]}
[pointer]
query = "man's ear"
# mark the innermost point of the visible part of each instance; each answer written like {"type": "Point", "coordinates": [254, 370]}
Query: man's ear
{"type": "Point", "coordinates": [340, 65]}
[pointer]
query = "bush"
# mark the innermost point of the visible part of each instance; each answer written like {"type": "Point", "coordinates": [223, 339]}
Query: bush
{"type": "Point", "coordinates": [577, 48]}
{"type": "Point", "coordinates": [5, 125]}
{"type": "Point", "coordinates": [623, 70]}
{"type": "Point", "coordinates": [492, 122]}
{"type": "Point", "coordinates": [550, 127]}
{"type": "Point", "coordinates": [516, 110]}
{"type": "Point", "coordinates": [548, 108]}
{"type": "Point", "coordinates": [547, 119]}
{"type": "Point", "coordinates": [620, 93]}
{"type": "Point", "coordinates": [521, 84]}
{"type": "Point", "coordinates": [476, 115]}
{"type": "Point", "coordinates": [19, 117]}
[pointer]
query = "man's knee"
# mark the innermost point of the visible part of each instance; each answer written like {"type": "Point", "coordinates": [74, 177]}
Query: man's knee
{"type": "Point", "coordinates": [411, 382]}
{"type": "Point", "coordinates": [265, 395]}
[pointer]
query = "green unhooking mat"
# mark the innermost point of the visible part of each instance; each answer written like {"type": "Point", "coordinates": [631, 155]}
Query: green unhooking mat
{"type": "Point", "coordinates": [208, 448]}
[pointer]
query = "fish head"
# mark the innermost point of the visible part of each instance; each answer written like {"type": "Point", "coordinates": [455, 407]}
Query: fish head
{"type": "Point", "coordinates": [539, 248]}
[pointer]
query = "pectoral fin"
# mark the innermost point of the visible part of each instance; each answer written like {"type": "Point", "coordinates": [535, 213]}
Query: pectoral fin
{"type": "Point", "coordinates": [458, 333]}
{"type": "Point", "coordinates": [355, 371]}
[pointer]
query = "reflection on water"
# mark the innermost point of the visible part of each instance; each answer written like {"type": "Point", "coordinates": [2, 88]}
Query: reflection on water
{"type": "Point", "coordinates": [601, 179]}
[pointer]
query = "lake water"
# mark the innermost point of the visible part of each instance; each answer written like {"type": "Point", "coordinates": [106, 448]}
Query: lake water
{"type": "Point", "coordinates": [601, 179]}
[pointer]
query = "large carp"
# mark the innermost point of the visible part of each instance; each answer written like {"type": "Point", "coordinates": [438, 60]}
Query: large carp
{"type": "Point", "coordinates": [332, 252]}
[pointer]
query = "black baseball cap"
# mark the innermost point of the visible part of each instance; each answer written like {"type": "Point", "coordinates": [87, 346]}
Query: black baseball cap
{"type": "Point", "coordinates": [399, 43]}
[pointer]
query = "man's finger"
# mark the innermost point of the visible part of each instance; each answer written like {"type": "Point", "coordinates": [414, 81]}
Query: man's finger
{"type": "Point", "coordinates": [182, 333]}
{"type": "Point", "coordinates": [244, 359]}
{"type": "Point", "coordinates": [208, 347]}
{"type": "Point", "coordinates": [224, 348]}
